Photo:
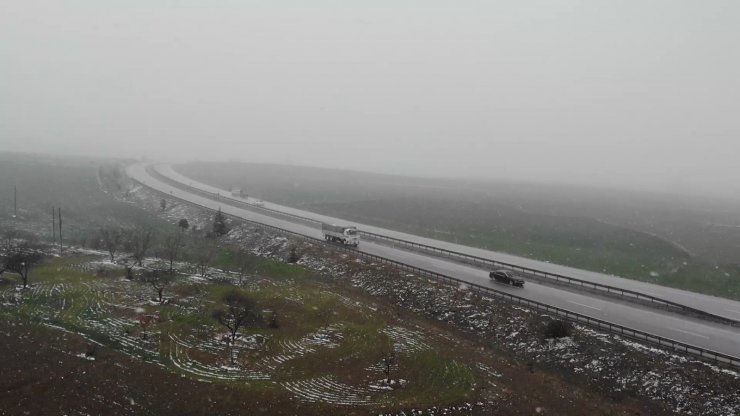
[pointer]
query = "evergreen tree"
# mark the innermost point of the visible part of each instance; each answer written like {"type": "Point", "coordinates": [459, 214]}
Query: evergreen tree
{"type": "Point", "coordinates": [293, 257]}
{"type": "Point", "coordinates": [219, 224]}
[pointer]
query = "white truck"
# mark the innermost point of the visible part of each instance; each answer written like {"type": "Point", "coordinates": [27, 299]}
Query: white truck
{"type": "Point", "coordinates": [344, 234]}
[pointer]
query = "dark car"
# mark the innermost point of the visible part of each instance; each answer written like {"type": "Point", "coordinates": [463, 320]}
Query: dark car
{"type": "Point", "coordinates": [505, 276]}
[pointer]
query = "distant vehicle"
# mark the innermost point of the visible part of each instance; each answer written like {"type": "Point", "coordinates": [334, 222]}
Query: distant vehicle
{"type": "Point", "coordinates": [259, 203]}
{"type": "Point", "coordinates": [344, 234]}
{"type": "Point", "coordinates": [507, 277]}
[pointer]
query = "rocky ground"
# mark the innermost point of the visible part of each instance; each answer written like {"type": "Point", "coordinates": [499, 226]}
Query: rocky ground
{"type": "Point", "coordinates": [617, 367]}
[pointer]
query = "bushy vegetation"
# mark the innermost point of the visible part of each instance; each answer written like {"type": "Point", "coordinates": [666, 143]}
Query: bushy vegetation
{"type": "Point", "coordinates": [557, 328]}
{"type": "Point", "coordinates": [447, 377]}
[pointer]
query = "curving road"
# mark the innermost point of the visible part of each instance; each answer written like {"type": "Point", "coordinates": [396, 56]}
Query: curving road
{"type": "Point", "coordinates": [712, 304]}
{"type": "Point", "coordinates": [708, 335]}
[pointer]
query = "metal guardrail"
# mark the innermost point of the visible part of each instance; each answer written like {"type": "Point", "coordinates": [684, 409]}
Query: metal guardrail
{"type": "Point", "coordinates": [599, 324]}
{"type": "Point", "coordinates": [554, 277]}
{"type": "Point", "coordinates": [224, 197]}
{"type": "Point", "coordinates": [464, 257]}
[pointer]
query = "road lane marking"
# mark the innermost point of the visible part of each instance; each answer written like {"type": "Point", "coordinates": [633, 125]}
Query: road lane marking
{"type": "Point", "coordinates": [733, 311]}
{"type": "Point", "coordinates": [691, 333]}
{"type": "Point", "coordinates": [585, 306]}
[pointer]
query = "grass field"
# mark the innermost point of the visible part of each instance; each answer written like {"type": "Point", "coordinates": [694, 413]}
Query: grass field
{"type": "Point", "coordinates": [669, 240]}
{"type": "Point", "coordinates": [325, 350]}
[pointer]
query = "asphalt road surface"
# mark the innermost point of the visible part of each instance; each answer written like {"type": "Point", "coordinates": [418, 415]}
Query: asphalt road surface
{"type": "Point", "coordinates": [712, 304]}
{"type": "Point", "coordinates": [700, 333]}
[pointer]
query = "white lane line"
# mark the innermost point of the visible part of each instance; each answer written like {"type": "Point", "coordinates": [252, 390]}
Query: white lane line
{"type": "Point", "coordinates": [585, 306]}
{"type": "Point", "coordinates": [733, 311]}
{"type": "Point", "coordinates": [691, 333]}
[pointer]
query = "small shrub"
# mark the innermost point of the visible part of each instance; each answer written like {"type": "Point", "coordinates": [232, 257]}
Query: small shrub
{"type": "Point", "coordinates": [293, 257]}
{"type": "Point", "coordinates": [274, 324]}
{"type": "Point", "coordinates": [558, 329]}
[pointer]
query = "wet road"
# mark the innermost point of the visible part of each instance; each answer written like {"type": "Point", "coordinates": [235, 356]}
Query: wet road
{"type": "Point", "coordinates": [708, 335]}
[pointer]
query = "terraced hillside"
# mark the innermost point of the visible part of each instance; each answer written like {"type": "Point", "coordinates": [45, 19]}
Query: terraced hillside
{"type": "Point", "coordinates": [326, 349]}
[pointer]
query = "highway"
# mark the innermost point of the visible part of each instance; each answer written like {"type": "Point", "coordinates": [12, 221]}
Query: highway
{"type": "Point", "coordinates": [711, 304]}
{"type": "Point", "coordinates": [703, 334]}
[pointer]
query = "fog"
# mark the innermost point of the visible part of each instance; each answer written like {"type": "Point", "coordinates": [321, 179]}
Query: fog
{"type": "Point", "coordinates": [637, 94]}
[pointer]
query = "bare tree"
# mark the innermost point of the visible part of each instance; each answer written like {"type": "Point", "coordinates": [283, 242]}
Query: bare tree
{"type": "Point", "coordinates": [144, 322]}
{"type": "Point", "coordinates": [159, 280]}
{"type": "Point", "coordinates": [53, 226]}
{"type": "Point", "coordinates": [129, 269]}
{"type": "Point", "coordinates": [200, 300]}
{"type": "Point", "coordinates": [237, 311]}
{"type": "Point", "coordinates": [389, 359]}
{"type": "Point", "coordinates": [61, 244]}
{"type": "Point", "coordinates": [204, 255]}
{"type": "Point", "coordinates": [170, 248]}
{"type": "Point", "coordinates": [112, 238]}
{"type": "Point", "coordinates": [138, 242]}
{"type": "Point", "coordinates": [10, 238]}
{"type": "Point", "coordinates": [20, 258]}
{"type": "Point", "coordinates": [243, 264]}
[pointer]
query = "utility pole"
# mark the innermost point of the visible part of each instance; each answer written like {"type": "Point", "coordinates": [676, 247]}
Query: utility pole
{"type": "Point", "coordinates": [15, 201]}
{"type": "Point", "coordinates": [59, 210]}
{"type": "Point", "coordinates": [53, 226]}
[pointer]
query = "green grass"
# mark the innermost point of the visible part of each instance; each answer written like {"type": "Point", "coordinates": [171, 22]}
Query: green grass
{"type": "Point", "coordinates": [181, 322]}
{"type": "Point", "coordinates": [60, 270]}
{"type": "Point", "coordinates": [651, 265]}
{"type": "Point", "coordinates": [229, 259]}
{"type": "Point", "coordinates": [436, 377]}
{"type": "Point", "coordinates": [704, 278]}
{"type": "Point", "coordinates": [302, 305]}
{"type": "Point", "coordinates": [364, 339]}
{"type": "Point", "coordinates": [581, 244]}
{"type": "Point", "coordinates": [603, 256]}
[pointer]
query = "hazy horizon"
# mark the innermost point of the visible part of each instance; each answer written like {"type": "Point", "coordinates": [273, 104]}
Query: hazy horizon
{"type": "Point", "coordinates": [635, 95]}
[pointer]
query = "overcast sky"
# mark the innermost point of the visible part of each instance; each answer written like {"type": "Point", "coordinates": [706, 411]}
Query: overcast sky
{"type": "Point", "coordinates": [622, 93]}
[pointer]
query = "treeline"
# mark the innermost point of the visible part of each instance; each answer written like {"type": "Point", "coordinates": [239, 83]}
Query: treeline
{"type": "Point", "coordinates": [128, 246]}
